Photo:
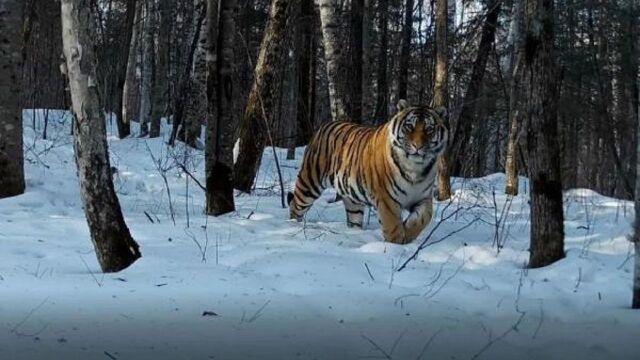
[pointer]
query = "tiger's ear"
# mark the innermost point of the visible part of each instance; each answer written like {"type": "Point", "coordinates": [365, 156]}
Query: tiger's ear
{"type": "Point", "coordinates": [402, 104]}
{"type": "Point", "coordinates": [442, 112]}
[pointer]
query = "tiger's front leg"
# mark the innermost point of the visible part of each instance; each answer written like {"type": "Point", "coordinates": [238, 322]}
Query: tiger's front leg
{"type": "Point", "coordinates": [390, 217]}
{"type": "Point", "coordinates": [418, 219]}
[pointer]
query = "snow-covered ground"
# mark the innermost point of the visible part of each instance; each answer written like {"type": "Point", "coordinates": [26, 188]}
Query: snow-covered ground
{"type": "Point", "coordinates": [253, 284]}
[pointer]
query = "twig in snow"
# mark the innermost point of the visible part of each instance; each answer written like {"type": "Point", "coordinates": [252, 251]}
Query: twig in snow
{"type": "Point", "coordinates": [575, 289]}
{"type": "Point", "coordinates": [110, 356]}
{"type": "Point", "coordinates": [381, 350]}
{"type": "Point", "coordinates": [26, 318]}
{"type": "Point", "coordinates": [91, 272]}
{"type": "Point", "coordinates": [426, 346]}
{"type": "Point", "coordinates": [491, 342]}
{"type": "Point", "coordinates": [257, 313]}
{"type": "Point", "coordinates": [149, 217]}
{"type": "Point", "coordinates": [369, 271]}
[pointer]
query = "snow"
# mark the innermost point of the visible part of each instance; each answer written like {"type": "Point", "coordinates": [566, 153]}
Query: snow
{"type": "Point", "coordinates": [278, 289]}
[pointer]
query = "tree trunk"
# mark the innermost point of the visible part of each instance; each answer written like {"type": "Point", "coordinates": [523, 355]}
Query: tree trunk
{"type": "Point", "coordinates": [148, 57]}
{"type": "Point", "coordinates": [221, 93]}
{"type": "Point", "coordinates": [636, 236]}
{"type": "Point", "coordinates": [161, 83]}
{"type": "Point", "coordinates": [513, 73]}
{"type": "Point", "coordinates": [261, 105]}
{"type": "Point", "coordinates": [357, 15]}
{"type": "Point", "coordinates": [382, 97]}
{"type": "Point", "coordinates": [330, 24]}
{"type": "Point", "coordinates": [306, 72]}
{"type": "Point", "coordinates": [129, 103]}
{"type": "Point", "coordinates": [547, 220]}
{"type": "Point", "coordinates": [405, 52]}
{"type": "Point", "coordinates": [11, 152]}
{"type": "Point", "coordinates": [113, 243]}
{"type": "Point", "coordinates": [441, 92]}
{"type": "Point", "coordinates": [465, 119]}
{"type": "Point", "coordinates": [196, 106]}
{"type": "Point", "coordinates": [124, 128]}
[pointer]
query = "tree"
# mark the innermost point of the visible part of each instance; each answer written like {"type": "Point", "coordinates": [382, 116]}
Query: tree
{"type": "Point", "coordinates": [382, 98]}
{"type": "Point", "coordinates": [357, 47]}
{"type": "Point", "coordinates": [124, 128]}
{"type": "Point", "coordinates": [540, 94]}
{"type": "Point", "coordinates": [306, 51]}
{"type": "Point", "coordinates": [221, 94]}
{"type": "Point", "coordinates": [465, 117]}
{"type": "Point", "coordinates": [114, 246]}
{"type": "Point", "coordinates": [129, 101]}
{"type": "Point", "coordinates": [11, 153]}
{"type": "Point", "coordinates": [161, 83]}
{"type": "Point", "coordinates": [333, 54]}
{"type": "Point", "coordinates": [636, 225]}
{"type": "Point", "coordinates": [405, 54]}
{"type": "Point", "coordinates": [258, 116]}
{"type": "Point", "coordinates": [148, 60]}
{"type": "Point", "coordinates": [441, 92]}
{"type": "Point", "coordinates": [514, 40]}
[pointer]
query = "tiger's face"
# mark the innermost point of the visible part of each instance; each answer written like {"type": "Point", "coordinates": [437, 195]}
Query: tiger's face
{"type": "Point", "coordinates": [419, 131]}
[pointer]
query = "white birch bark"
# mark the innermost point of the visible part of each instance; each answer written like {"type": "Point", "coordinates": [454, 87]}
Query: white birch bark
{"type": "Point", "coordinates": [333, 55]}
{"type": "Point", "coordinates": [146, 86]}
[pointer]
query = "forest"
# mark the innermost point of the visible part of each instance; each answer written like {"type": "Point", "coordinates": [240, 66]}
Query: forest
{"type": "Point", "coordinates": [175, 176]}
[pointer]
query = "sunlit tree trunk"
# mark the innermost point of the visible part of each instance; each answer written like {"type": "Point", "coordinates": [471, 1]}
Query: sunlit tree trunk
{"type": "Point", "coordinates": [114, 246]}
{"type": "Point", "coordinates": [262, 102]}
{"type": "Point", "coordinates": [441, 92]}
{"type": "Point", "coordinates": [540, 92]}
{"type": "Point", "coordinates": [11, 153]}
{"type": "Point", "coordinates": [221, 93]}
{"type": "Point", "coordinates": [129, 105]}
{"type": "Point", "coordinates": [333, 53]}
{"type": "Point", "coordinates": [514, 64]}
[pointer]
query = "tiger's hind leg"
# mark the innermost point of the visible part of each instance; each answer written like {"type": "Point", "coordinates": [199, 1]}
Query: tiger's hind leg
{"type": "Point", "coordinates": [355, 213]}
{"type": "Point", "coordinates": [301, 199]}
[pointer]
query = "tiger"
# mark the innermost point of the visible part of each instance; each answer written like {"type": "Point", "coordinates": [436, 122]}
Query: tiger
{"type": "Point", "coordinates": [391, 167]}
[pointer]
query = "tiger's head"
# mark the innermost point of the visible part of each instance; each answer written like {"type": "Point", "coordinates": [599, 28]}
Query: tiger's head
{"type": "Point", "coordinates": [419, 131]}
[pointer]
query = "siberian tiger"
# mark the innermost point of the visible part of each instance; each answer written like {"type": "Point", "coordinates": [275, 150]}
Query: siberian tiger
{"type": "Point", "coordinates": [391, 167]}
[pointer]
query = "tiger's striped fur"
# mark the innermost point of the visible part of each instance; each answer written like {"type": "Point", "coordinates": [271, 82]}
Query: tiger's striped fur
{"type": "Point", "coordinates": [391, 167]}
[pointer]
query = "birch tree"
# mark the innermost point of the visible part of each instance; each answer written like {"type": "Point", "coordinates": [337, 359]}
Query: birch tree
{"type": "Point", "coordinates": [405, 52]}
{"type": "Point", "coordinates": [221, 92]}
{"type": "Point", "coordinates": [635, 303]}
{"type": "Point", "coordinates": [11, 153]}
{"type": "Point", "coordinates": [333, 54]}
{"type": "Point", "coordinates": [114, 246]}
{"type": "Point", "coordinates": [129, 105]}
{"type": "Point", "coordinates": [540, 92]}
{"type": "Point", "coordinates": [161, 78]}
{"type": "Point", "coordinates": [261, 105]}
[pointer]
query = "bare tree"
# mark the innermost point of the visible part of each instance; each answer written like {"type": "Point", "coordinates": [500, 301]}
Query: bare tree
{"type": "Point", "coordinates": [441, 92]}
{"type": "Point", "coordinates": [148, 60]}
{"type": "Point", "coordinates": [405, 54]}
{"type": "Point", "coordinates": [636, 225]}
{"type": "Point", "coordinates": [221, 92]}
{"type": "Point", "coordinates": [11, 153]}
{"type": "Point", "coordinates": [357, 50]}
{"type": "Point", "coordinates": [258, 116]}
{"type": "Point", "coordinates": [306, 51]}
{"type": "Point", "coordinates": [161, 78]}
{"type": "Point", "coordinates": [333, 54]}
{"type": "Point", "coordinates": [512, 70]}
{"type": "Point", "coordinates": [129, 101]}
{"type": "Point", "coordinates": [382, 97]}
{"type": "Point", "coordinates": [124, 128]}
{"type": "Point", "coordinates": [114, 246]}
{"type": "Point", "coordinates": [539, 80]}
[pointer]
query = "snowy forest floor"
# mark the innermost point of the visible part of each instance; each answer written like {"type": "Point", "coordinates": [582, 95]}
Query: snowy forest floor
{"type": "Point", "coordinates": [253, 284]}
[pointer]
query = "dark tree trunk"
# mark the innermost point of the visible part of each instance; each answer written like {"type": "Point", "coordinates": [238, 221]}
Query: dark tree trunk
{"type": "Point", "coordinates": [161, 83]}
{"type": "Point", "coordinates": [382, 97]}
{"type": "Point", "coordinates": [221, 93]}
{"type": "Point", "coordinates": [306, 72]}
{"type": "Point", "coordinates": [357, 14]}
{"type": "Point", "coordinates": [465, 119]}
{"type": "Point", "coordinates": [540, 90]}
{"type": "Point", "coordinates": [114, 246]}
{"type": "Point", "coordinates": [124, 128]}
{"type": "Point", "coordinates": [262, 102]}
{"type": "Point", "coordinates": [441, 92]}
{"type": "Point", "coordinates": [405, 53]}
{"type": "Point", "coordinates": [11, 152]}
